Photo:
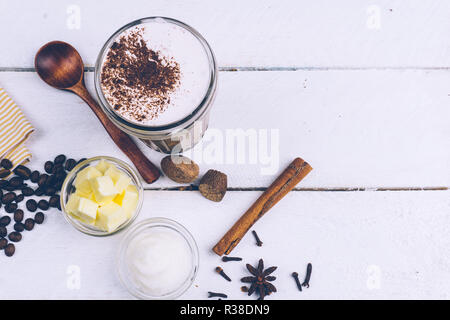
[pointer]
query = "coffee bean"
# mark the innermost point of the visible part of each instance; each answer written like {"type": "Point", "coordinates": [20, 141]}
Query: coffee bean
{"type": "Point", "coordinates": [23, 172]}
{"type": "Point", "coordinates": [22, 186]}
{"type": "Point", "coordinates": [35, 176]}
{"type": "Point", "coordinates": [18, 215]}
{"type": "Point", "coordinates": [43, 205]}
{"type": "Point", "coordinates": [48, 167]}
{"type": "Point", "coordinates": [20, 198]}
{"type": "Point", "coordinates": [4, 184]}
{"type": "Point", "coordinates": [4, 221]}
{"type": "Point", "coordinates": [51, 181]}
{"type": "Point", "coordinates": [4, 173]}
{"type": "Point", "coordinates": [42, 180]}
{"type": "Point", "coordinates": [60, 176]}
{"type": "Point", "coordinates": [81, 160]}
{"type": "Point", "coordinates": [3, 232]}
{"type": "Point", "coordinates": [7, 164]}
{"type": "Point", "coordinates": [11, 207]}
{"type": "Point", "coordinates": [59, 169]}
{"type": "Point", "coordinates": [59, 184]}
{"type": "Point", "coordinates": [9, 188]}
{"type": "Point", "coordinates": [39, 191]}
{"type": "Point", "coordinates": [31, 205]}
{"type": "Point", "coordinates": [15, 236]}
{"type": "Point", "coordinates": [8, 197]}
{"type": "Point", "coordinates": [10, 249]}
{"type": "Point", "coordinates": [50, 191]}
{"type": "Point", "coordinates": [29, 224]}
{"type": "Point", "coordinates": [27, 191]}
{"type": "Point", "coordinates": [56, 166]}
{"type": "Point", "coordinates": [15, 182]}
{"type": "Point", "coordinates": [60, 159]}
{"type": "Point", "coordinates": [3, 243]}
{"type": "Point", "coordinates": [53, 201]}
{"type": "Point", "coordinates": [39, 218]}
{"type": "Point", "coordinates": [19, 226]}
{"type": "Point", "coordinates": [70, 164]}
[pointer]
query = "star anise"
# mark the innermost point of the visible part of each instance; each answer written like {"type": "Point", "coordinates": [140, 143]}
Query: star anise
{"type": "Point", "coordinates": [259, 282]}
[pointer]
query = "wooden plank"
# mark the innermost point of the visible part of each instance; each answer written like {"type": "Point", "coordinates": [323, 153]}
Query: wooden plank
{"type": "Point", "coordinates": [358, 129]}
{"type": "Point", "coordinates": [255, 33]}
{"type": "Point", "coordinates": [363, 245]}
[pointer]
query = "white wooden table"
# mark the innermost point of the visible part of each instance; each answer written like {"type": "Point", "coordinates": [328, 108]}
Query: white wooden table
{"type": "Point", "coordinates": [360, 89]}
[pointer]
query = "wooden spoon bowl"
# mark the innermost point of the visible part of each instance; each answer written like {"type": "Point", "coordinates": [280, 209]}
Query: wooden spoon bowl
{"type": "Point", "coordinates": [59, 65]}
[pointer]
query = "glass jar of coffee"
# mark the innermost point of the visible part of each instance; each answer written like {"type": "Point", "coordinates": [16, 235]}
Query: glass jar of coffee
{"type": "Point", "coordinates": [156, 79]}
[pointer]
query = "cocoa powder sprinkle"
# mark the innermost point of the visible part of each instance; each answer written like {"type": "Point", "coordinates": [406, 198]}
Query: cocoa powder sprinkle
{"type": "Point", "coordinates": [137, 81]}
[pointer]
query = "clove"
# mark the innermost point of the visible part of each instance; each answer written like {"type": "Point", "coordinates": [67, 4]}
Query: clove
{"type": "Point", "coordinates": [220, 271]}
{"type": "Point", "coordinates": [297, 281]}
{"type": "Point", "coordinates": [216, 294]}
{"type": "Point", "coordinates": [226, 259]}
{"type": "Point", "coordinates": [308, 275]}
{"type": "Point", "coordinates": [259, 243]}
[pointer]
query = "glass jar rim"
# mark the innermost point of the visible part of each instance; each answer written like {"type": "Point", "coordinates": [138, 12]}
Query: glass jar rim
{"type": "Point", "coordinates": [72, 175]}
{"type": "Point", "coordinates": [133, 232]}
{"type": "Point", "coordinates": [198, 111]}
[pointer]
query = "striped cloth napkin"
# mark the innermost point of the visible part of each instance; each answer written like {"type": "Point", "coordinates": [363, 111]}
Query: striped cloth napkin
{"type": "Point", "coordinates": [14, 131]}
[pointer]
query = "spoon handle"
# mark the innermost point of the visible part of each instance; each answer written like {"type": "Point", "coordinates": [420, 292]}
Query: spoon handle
{"type": "Point", "coordinates": [146, 168]}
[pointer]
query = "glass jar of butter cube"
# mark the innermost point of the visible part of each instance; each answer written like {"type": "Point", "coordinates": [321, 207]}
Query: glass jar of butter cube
{"type": "Point", "coordinates": [101, 196]}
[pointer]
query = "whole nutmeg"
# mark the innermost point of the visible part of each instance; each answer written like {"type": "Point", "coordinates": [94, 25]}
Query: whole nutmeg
{"type": "Point", "coordinates": [213, 185]}
{"type": "Point", "coordinates": [179, 169]}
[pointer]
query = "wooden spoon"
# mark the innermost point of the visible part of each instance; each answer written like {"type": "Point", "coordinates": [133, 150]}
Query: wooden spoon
{"type": "Point", "coordinates": [60, 66]}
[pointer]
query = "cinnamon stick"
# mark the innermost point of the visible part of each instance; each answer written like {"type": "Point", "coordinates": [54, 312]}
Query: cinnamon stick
{"type": "Point", "coordinates": [291, 176]}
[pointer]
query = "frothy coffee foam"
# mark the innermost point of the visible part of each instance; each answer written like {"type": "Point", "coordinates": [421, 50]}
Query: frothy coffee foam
{"type": "Point", "coordinates": [179, 50]}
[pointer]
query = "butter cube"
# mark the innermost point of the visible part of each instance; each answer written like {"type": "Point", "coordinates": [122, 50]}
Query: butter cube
{"type": "Point", "coordinates": [87, 210]}
{"type": "Point", "coordinates": [128, 199]}
{"type": "Point", "coordinates": [87, 195]}
{"type": "Point", "coordinates": [90, 222]}
{"type": "Point", "coordinates": [82, 180]}
{"type": "Point", "coordinates": [133, 188]}
{"type": "Point", "coordinates": [83, 209]}
{"type": "Point", "coordinates": [122, 182]}
{"type": "Point", "coordinates": [102, 166]}
{"type": "Point", "coordinates": [120, 179]}
{"type": "Point", "coordinates": [104, 189]}
{"type": "Point", "coordinates": [113, 173]}
{"type": "Point", "coordinates": [119, 198]}
{"type": "Point", "coordinates": [72, 203]}
{"type": "Point", "coordinates": [110, 217]}
{"type": "Point", "coordinates": [130, 189]}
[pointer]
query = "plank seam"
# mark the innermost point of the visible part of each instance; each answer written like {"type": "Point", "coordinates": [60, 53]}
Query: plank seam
{"type": "Point", "coordinates": [342, 189]}
{"type": "Point", "coordinates": [259, 69]}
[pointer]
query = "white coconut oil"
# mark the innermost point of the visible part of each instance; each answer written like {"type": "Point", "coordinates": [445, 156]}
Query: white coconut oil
{"type": "Point", "coordinates": [159, 260]}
